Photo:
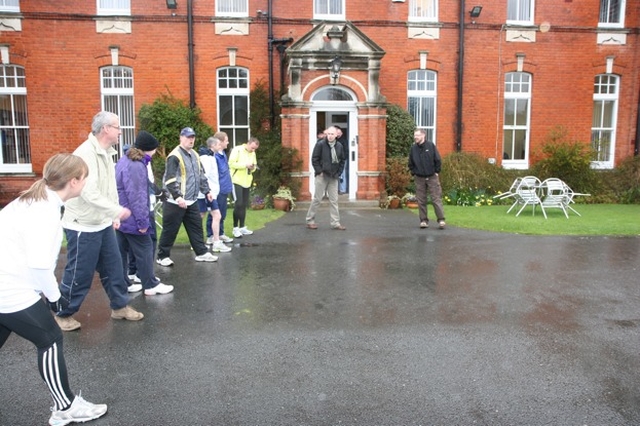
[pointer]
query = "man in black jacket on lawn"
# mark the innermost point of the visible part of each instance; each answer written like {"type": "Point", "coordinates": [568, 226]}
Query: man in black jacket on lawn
{"type": "Point", "coordinates": [424, 163]}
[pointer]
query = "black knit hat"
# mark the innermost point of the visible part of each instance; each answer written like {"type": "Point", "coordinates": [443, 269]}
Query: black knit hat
{"type": "Point", "coordinates": [145, 141]}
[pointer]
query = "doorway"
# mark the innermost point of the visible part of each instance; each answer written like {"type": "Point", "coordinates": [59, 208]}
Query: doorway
{"type": "Point", "coordinates": [342, 113]}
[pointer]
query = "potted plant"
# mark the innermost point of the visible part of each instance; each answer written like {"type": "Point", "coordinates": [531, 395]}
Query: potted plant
{"type": "Point", "coordinates": [392, 202]}
{"type": "Point", "coordinates": [257, 202]}
{"type": "Point", "coordinates": [410, 200]}
{"type": "Point", "coordinates": [283, 199]}
{"type": "Point", "coordinates": [398, 179]}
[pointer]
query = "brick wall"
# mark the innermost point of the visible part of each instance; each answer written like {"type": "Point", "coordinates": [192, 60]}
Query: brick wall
{"type": "Point", "coordinates": [62, 67]}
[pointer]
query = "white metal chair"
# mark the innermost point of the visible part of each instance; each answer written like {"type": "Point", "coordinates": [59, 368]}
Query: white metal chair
{"type": "Point", "coordinates": [554, 195]}
{"type": "Point", "coordinates": [527, 195]}
{"type": "Point", "coordinates": [571, 195]}
{"type": "Point", "coordinates": [511, 192]}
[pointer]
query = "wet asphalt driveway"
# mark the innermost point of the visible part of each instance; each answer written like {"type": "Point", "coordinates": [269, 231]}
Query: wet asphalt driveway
{"type": "Point", "coordinates": [383, 324]}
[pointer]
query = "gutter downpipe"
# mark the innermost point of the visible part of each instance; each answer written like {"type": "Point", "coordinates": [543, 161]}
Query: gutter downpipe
{"type": "Point", "coordinates": [460, 78]}
{"type": "Point", "coordinates": [636, 148]}
{"type": "Point", "coordinates": [192, 88]}
{"type": "Point", "coordinates": [270, 54]}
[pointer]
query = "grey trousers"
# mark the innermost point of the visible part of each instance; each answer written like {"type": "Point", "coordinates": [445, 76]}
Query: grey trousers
{"type": "Point", "coordinates": [432, 186]}
{"type": "Point", "coordinates": [330, 186]}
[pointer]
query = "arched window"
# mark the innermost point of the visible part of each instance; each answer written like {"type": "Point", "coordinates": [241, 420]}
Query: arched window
{"type": "Point", "coordinates": [116, 87]}
{"type": "Point", "coordinates": [332, 94]}
{"type": "Point", "coordinates": [233, 103]}
{"type": "Point", "coordinates": [422, 91]}
{"type": "Point", "coordinates": [15, 155]}
{"type": "Point", "coordinates": [516, 126]}
{"type": "Point", "coordinates": [605, 117]}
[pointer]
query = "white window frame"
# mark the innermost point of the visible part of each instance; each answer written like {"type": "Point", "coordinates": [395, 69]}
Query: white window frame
{"type": "Point", "coordinates": [323, 13]}
{"type": "Point", "coordinates": [14, 128]}
{"type": "Point", "coordinates": [116, 94]}
{"type": "Point", "coordinates": [416, 14]}
{"type": "Point", "coordinates": [605, 5]}
{"type": "Point", "coordinates": [604, 119]}
{"type": "Point", "coordinates": [9, 5]}
{"type": "Point", "coordinates": [513, 91]}
{"type": "Point", "coordinates": [242, 89]}
{"type": "Point", "coordinates": [232, 8]}
{"type": "Point", "coordinates": [422, 88]}
{"type": "Point", "coordinates": [113, 7]}
{"type": "Point", "coordinates": [524, 11]}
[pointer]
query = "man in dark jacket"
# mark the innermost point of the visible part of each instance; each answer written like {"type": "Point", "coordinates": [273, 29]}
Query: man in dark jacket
{"type": "Point", "coordinates": [328, 162]}
{"type": "Point", "coordinates": [424, 163]}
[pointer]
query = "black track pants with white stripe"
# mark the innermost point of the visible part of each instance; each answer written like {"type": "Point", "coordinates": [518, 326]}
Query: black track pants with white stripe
{"type": "Point", "coordinates": [37, 325]}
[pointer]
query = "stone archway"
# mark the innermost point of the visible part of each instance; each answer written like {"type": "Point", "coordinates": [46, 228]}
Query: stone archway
{"type": "Point", "coordinates": [309, 72]}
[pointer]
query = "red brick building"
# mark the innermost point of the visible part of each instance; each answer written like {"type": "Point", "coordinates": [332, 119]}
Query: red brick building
{"type": "Point", "coordinates": [495, 79]}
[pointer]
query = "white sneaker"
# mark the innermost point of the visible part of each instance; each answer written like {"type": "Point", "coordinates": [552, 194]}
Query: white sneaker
{"type": "Point", "coordinates": [159, 289]}
{"type": "Point", "coordinates": [237, 233]}
{"type": "Point", "coordinates": [207, 257]}
{"type": "Point", "coordinates": [164, 262]}
{"type": "Point", "coordinates": [226, 239]}
{"type": "Point", "coordinates": [209, 241]}
{"type": "Point", "coordinates": [79, 411]}
{"type": "Point", "coordinates": [134, 279]}
{"type": "Point", "coordinates": [219, 247]}
{"type": "Point", "coordinates": [245, 231]}
{"type": "Point", "coordinates": [134, 288]}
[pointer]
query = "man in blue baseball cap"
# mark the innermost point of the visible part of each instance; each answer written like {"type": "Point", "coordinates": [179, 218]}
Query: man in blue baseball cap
{"type": "Point", "coordinates": [184, 178]}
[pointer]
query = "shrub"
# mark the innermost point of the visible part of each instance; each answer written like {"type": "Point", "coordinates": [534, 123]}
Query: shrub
{"type": "Point", "coordinates": [276, 163]}
{"type": "Point", "coordinates": [400, 127]}
{"type": "Point", "coordinates": [466, 175]}
{"type": "Point", "coordinates": [566, 160]}
{"type": "Point", "coordinates": [164, 119]}
{"type": "Point", "coordinates": [398, 178]}
{"type": "Point", "coordinates": [623, 183]}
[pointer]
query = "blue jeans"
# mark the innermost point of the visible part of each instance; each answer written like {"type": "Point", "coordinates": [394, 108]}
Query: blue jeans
{"type": "Point", "coordinates": [222, 204]}
{"type": "Point", "coordinates": [140, 247]}
{"type": "Point", "coordinates": [132, 269]}
{"type": "Point", "coordinates": [88, 252]}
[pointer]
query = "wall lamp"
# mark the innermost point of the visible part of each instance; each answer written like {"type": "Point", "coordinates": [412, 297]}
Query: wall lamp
{"type": "Point", "coordinates": [172, 4]}
{"type": "Point", "coordinates": [475, 12]}
{"type": "Point", "coordinates": [334, 66]}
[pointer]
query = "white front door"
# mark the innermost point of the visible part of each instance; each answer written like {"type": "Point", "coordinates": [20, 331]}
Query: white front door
{"type": "Point", "coordinates": [343, 114]}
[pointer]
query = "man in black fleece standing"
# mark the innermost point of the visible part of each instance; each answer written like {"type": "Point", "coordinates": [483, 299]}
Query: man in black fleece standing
{"type": "Point", "coordinates": [424, 163]}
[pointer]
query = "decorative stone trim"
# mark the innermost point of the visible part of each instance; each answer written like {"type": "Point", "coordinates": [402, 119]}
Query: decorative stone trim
{"type": "Point", "coordinates": [117, 25]}
{"type": "Point", "coordinates": [11, 22]}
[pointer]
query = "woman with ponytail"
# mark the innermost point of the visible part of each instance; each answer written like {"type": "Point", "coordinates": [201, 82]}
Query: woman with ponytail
{"type": "Point", "coordinates": [31, 234]}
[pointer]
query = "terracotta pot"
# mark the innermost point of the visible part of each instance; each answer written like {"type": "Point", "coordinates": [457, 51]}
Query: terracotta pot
{"type": "Point", "coordinates": [395, 203]}
{"type": "Point", "coordinates": [412, 204]}
{"type": "Point", "coordinates": [257, 206]}
{"type": "Point", "coordinates": [281, 204]}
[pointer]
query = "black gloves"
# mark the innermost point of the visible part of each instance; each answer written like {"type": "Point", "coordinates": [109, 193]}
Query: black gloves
{"type": "Point", "coordinates": [59, 305]}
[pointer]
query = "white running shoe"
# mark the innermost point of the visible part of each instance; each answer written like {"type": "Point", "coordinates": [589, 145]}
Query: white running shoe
{"type": "Point", "coordinates": [134, 279]}
{"type": "Point", "coordinates": [164, 262]}
{"type": "Point", "coordinates": [209, 241]}
{"type": "Point", "coordinates": [237, 233]}
{"type": "Point", "coordinates": [79, 411]}
{"type": "Point", "coordinates": [245, 231]}
{"type": "Point", "coordinates": [134, 288]}
{"type": "Point", "coordinates": [207, 257]}
{"type": "Point", "coordinates": [226, 239]}
{"type": "Point", "coordinates": [159, 289]}
{"type": "Point", "coordinates": [219, 247]}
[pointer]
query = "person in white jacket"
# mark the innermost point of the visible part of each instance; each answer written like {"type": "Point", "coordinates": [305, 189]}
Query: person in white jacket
{"type": "Point", "coordinates": [31, 235]}
{"type": "Point", "coordinates": [210, 166]}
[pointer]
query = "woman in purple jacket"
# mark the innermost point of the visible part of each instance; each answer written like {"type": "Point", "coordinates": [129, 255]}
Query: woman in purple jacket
{"type": "Point", "coordinates": [133, 192]}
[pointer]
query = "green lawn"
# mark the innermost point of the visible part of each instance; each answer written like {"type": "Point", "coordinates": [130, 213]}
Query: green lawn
{"type": "Point", "coordinates": [596, 219]}
{"type": "Point", "coordinates": [256, 219]}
